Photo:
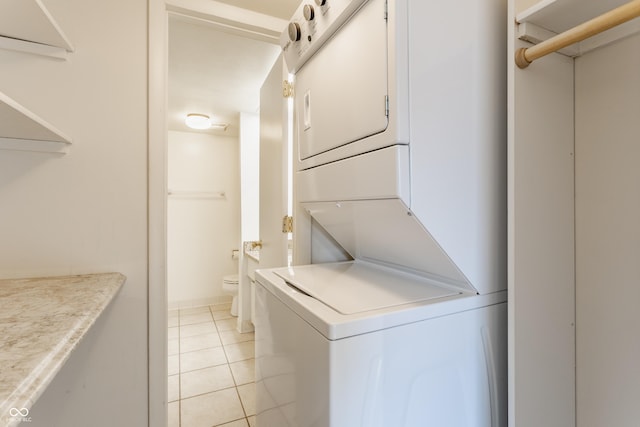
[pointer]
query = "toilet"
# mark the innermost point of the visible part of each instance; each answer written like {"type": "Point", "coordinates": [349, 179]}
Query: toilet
{"type": "Point", "coordinates": [230, 285]}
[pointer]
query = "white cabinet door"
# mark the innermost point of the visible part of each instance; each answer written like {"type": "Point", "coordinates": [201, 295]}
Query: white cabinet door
{"type": "Point", "coordinates": [273, 168]}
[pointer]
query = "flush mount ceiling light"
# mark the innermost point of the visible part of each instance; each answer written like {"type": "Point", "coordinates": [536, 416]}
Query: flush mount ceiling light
{"type": "Point", "coordinates": [203, 122]}
{"type": "Point", "coordinates": [198, 121]}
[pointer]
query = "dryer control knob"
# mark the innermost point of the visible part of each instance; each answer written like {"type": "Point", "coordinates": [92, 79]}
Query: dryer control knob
{"type": "Point", "coordinates": [308, 12]}
{"type": "Point", "coordinates": [294, 31]}
{"type": "Point", "coordinates": [321, 2]}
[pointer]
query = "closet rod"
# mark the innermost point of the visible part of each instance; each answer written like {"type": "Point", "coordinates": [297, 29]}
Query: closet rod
{"type": "Point", "coordinates": [617, 16]}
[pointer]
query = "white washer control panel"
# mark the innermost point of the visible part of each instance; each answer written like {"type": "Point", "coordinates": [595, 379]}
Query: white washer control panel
{"type": "Point", "coordinates": [311, 25]}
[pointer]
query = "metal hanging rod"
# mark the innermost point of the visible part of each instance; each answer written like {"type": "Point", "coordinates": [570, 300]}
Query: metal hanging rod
{"type": "Point", "coordinates": [615, 17]}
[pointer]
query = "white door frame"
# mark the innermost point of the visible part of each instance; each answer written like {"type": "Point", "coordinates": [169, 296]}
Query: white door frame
{"type": "Point", "coordinates": [226, 18]}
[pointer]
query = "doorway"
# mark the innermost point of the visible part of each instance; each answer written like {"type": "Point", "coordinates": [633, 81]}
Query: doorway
{"type": "Point", "coordinates": [229, 20]}
{"type": "Point", "coordinates": [217, 75]}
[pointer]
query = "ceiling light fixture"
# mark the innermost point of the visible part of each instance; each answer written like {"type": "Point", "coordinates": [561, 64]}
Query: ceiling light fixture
{"type": "Point", "coordinates": [198, 121]}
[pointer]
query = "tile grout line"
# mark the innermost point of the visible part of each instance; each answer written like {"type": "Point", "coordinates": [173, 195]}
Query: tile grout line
{"type": "Point", "coordinates": [209, 392]}
{"type": "Point", "coordinates": [227, 363]}
{"type": "Point", "coordinates": [235, 382]}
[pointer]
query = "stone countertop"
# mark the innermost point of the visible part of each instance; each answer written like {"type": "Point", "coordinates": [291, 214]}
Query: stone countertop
{"type": "Point", "coordinates": [42, 320]}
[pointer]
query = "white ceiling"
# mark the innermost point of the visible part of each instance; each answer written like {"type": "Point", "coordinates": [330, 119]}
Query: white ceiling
{"type": "Point", "coordinates": [282, 9]}
{"type": "Point", "coordinates": [217, 73]}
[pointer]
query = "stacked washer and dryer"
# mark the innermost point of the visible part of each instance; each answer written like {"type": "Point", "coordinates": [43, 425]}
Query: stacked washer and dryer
{"type": "Point", "coordinates": [400, 133]}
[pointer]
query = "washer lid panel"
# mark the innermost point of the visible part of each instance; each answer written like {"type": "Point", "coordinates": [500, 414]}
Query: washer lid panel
{"type": "Point", "coordinates": [358, 287]}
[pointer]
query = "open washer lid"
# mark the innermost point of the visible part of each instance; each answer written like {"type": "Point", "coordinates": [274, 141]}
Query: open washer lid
{"type": "Point", "coordinates": [357, 286]}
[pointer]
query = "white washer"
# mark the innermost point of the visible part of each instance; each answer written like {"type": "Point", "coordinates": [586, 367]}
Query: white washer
{"type": "Point", "coordinates": [357, 344]}
{"type": "Point", "coordinates": [400, 144]}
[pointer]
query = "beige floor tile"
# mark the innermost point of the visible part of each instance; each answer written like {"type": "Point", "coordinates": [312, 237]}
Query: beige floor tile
{"type": "Point", "coordinates": [203, 372]}
{"type": "Point", "coordinates": [205, 381]}
{"type": "Point", "coordinates": [247, 394]}
{"type": "Point", "coordinates": [238, 423]}
{"type": "Point", "coordinates": [221, 314]}
{"type": "Point", "coordinates": [240, 351]}
{"type": "Point", "coordinates": [190, 319]}
{"type": "Point", "coordinates": [206, 358]}
{"type": "Point", "coordinates": [234, 337]}
{"type": "Point", "coordinates": [197, 329]}
{"type": "Point", "coordinates": [194, 310]}
{"type": "Point", "coordinates": [211, 409]}
{"type": "Point", "coordinates": [225, 306]}
{"type": "Point", "coordinates": [173, 364]}
{"type": "Point", "coordinates": [227, 324]}
{"type": "Point", "coordinates": [244, 371]}
{"type": "Point", "coordinates": [200, 342]}
{"type": "Point", "coordinates": [173, 388]}
{"type": "Point", "coordinates": [174, 414]}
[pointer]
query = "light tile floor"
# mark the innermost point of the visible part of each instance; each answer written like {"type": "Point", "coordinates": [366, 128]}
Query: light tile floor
{"type": "Point", "coordinates": [211, 369]}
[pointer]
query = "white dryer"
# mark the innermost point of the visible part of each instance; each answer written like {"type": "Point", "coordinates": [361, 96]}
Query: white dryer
{"type": "Point", "coordinates": [400, 138]}
{"type": "Point", "coordinates": [400, 110]}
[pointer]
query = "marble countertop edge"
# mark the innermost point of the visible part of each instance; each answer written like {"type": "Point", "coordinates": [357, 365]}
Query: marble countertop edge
{"type": "Point", "coordinates": [99, 289]}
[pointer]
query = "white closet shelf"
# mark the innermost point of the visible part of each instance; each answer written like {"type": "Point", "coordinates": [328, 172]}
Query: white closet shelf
{"type": "Point", "coordinates": [29, 24]}
{"type": "Point", "coordinates": [21, 129]}
{"type": "Point", "coordinates": [552, 17]}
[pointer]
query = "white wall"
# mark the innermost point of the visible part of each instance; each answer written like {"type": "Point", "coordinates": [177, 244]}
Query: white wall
{"type": "Point", "coordinates": [85, 212]}
{"type": "Point", "coordinates": [608, 235]}
{"type": "Point", "coordinates": [202, 232]}
{"type": "Point", "coordinates": [250, 181]}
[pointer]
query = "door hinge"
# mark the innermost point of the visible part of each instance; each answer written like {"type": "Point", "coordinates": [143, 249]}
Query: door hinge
{"type": "Point", "coordinates": [386, 105]}
{"type": "Point", "coordinates": [386, 10]}
{"type": "Point", "coordinates": [287, 89]}
{"type": "Point", "coordinates": [287, 224]}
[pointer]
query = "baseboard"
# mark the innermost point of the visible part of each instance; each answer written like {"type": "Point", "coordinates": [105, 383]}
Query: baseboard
{"type": "Point", "coordinates": [200, 302]}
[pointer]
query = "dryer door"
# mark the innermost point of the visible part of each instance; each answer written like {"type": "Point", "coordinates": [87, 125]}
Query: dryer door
{"type": "Point", "coordinates": [341, 92]}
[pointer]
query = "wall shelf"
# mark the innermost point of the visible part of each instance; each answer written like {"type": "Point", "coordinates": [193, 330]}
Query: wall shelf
{"type": "Point", "coordinates": [26, 25]}
{"type": "Point", "coordinates": [21, 129]}
{"type": "Point", "coordinates": [550, 17]}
